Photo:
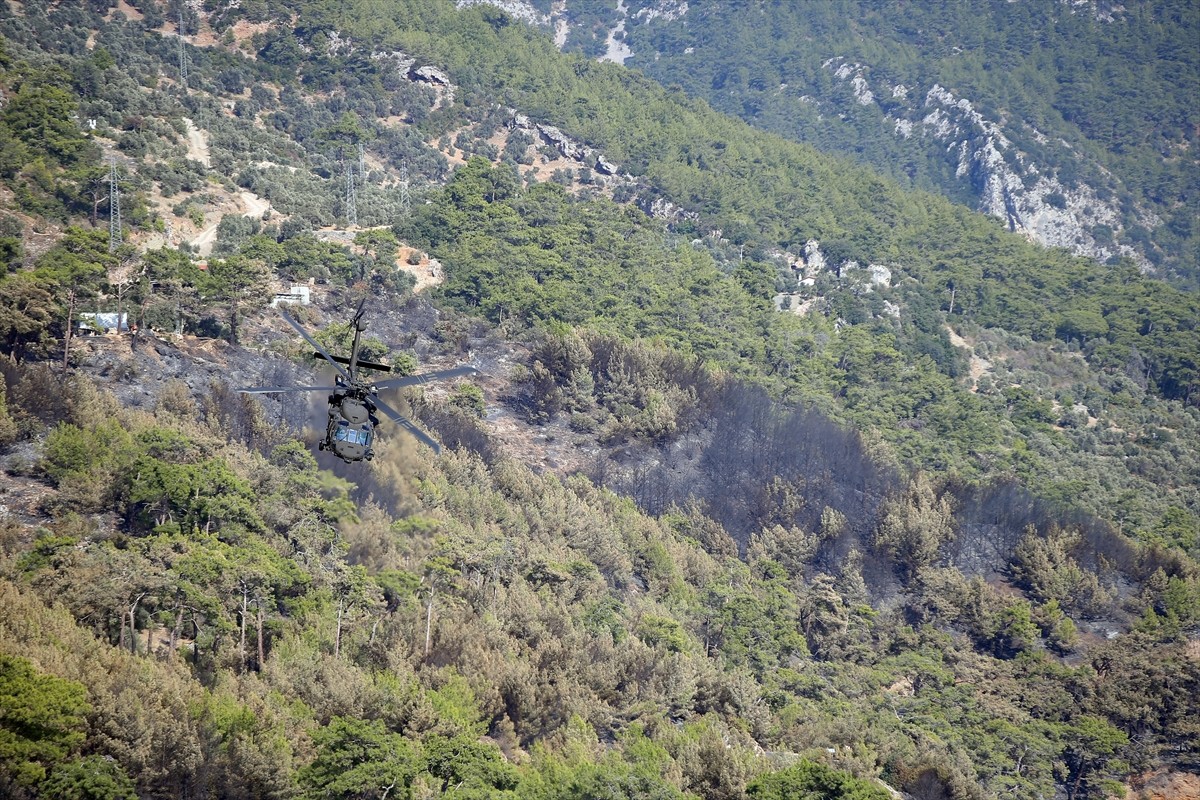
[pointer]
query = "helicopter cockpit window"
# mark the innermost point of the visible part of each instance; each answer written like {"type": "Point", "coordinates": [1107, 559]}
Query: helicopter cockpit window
{"type": "Point", "coordinates": [344, 433]}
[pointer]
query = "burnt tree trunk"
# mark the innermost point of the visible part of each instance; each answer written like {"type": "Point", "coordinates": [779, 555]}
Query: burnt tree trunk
{"type": "Point", "coordinates": [67, 333]}
{"type": "Point", "coordinates": [242, 637]}
{"type": "Point", "coordinates": [337, 638]}
{"type": "Point", "coordinates": [261, 650]}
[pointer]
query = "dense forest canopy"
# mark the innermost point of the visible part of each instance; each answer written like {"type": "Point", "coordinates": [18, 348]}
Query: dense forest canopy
{"type": "Point", "coordinates": [720, 523]}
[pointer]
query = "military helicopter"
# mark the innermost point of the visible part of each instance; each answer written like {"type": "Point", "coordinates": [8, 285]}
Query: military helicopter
{"type": "Point", "coordinates": [354, 400]}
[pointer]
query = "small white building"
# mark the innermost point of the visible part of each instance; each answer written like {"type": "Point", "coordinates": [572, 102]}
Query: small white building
{"type": "Point", "coordinates": [103, 322]}
{"type": "Point", "coordinates": [297, 296]}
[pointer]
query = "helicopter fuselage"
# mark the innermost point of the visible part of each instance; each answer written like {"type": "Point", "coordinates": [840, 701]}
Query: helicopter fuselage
{"type": "Point", "coordinates": [354, 402]}
{"type": "Point", "coordinates": [350, 430]}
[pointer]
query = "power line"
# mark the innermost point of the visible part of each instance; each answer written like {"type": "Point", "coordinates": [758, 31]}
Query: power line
{"type": "Point", "coordinates": [183, 61]}
{"type": "Point", "coordinates": [114, 207]}
{"type": "Point", "coordinates": [351, 210]}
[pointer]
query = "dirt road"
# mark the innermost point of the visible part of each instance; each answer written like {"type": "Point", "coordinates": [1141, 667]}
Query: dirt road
{"type": "Point", "coordinates": [197, 143]}
{"type": "Point", "coordinates": [252, 206]}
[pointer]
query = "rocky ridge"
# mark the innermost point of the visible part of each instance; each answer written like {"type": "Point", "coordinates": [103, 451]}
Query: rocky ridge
{"type": "Point", "coordinates": [1008, 183]}
{"type": "Point", "coordinates": [1005, 182]}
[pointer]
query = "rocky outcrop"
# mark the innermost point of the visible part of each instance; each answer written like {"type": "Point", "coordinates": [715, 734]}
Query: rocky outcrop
{"type": "Point", "coordinates": [1013, 188]}
{"type": "Point", "coordinates": [813, 261]}
{"type": "Point", "coordinates": [664, 209]}
{"type": "Point", "coordinates": [667, 10]}
{"type": "Point", "coordinates": [405, 68]}
{"type": "Point", "coordinates": [401, 61]}
{"type": "Point", "coordinates": [855, 73]}
{"type": "Point", "coordinates": [559, 23]}
{"type": "Point", "coordinates": [1007, 182]}
{"type": "Point", "coordinates": [430, 74]}
{"type": "Point", "coordinates": [566, 146]}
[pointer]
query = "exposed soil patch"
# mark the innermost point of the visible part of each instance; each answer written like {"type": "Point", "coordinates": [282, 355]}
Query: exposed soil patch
{"type": "Point", "coordinates": [197, 143]}
{"type": "Point", "coordinates": [978, 366]}
{"type": "Point", "coordinates": [1166, 786]}
{"type": "Point", "coordinates": [244, 31]}
{"type": "Point", "coordinates": [427, 271]}
{"type": "Point", "coordinates": [129, 11]}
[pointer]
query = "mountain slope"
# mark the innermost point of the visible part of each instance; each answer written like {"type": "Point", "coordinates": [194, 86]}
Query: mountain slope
{"type": "Point", "coordinates": [1072, 122]}
{"type": "Point", "coordinates": [695, 546]}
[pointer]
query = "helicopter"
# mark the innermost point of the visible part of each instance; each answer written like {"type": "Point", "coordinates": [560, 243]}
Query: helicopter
{"type": "Point", "coordinates": [354, 402]}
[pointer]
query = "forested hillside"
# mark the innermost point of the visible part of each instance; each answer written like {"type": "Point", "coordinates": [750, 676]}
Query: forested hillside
{"type": "Point", "coordinates": [782, 479]}
{"type": "Point", "coordinates": [1075, 122]}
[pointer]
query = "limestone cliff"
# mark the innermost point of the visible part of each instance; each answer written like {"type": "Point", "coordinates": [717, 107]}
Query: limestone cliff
{"type": "Point", "coordinates": [1008, 183]}
{"type": "Point", "coordinates": [1040, 185]}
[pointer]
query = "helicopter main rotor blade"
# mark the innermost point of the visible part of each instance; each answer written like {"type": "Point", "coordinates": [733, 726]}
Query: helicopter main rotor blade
{"type": "Point", "coordinates": [314, 343]}
{"type": "Point", "coordinates": [414, 380]}
{"type": "Point", "coordinates": [273, 389]}
{"type": "Point", "coordinates": [404, 422]}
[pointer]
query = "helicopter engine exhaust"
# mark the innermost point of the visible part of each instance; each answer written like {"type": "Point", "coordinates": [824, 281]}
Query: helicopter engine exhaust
{"type": "Point", "coordinates": [353, 410]}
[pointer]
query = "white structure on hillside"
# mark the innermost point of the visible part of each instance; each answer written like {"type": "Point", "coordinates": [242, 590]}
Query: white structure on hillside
{"type": "Point", "coordinates": [297, 296]}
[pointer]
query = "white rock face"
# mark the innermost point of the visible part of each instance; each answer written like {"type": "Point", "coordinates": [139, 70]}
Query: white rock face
{"type": "Point", "coordinates": [661, 208]}
{"type": "Point", "coordinates": [814, 260]}
{"type": "Point", "coordinates": [402, 61]}
{"type": "Point", "coordinates": [557, 22]}
{"type": "Point", "coordinates": [1009, 185]}
{"type": "Point", "coordinates": [616, 50]}
{"type": "Point", "coordinates": [668, 10]}
{"type": "Point", "coordinates": [861, 92]}
{"type": "Point", "coordinates": [516, 8]}
{"type": "Point", "coordinates": [880, 275]}
{"type": "Point", "coordinates": [1106, 11]}
{"type": "Point", "coordinates": [1012, 188]}
{"type": "Point", "coordinates": [431, 75]}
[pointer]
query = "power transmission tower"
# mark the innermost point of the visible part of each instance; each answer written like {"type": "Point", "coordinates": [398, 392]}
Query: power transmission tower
{"type": "Point", "coordinates": [114, 207]}
{"type": "Point", "coordinates": [183, 61]}
{"type": "Point", "coordinates": [351, 210]}
{"type": "Point", "coordinates": [362, 162]}
{"type": "Point", "coordinates": [405, 199]}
